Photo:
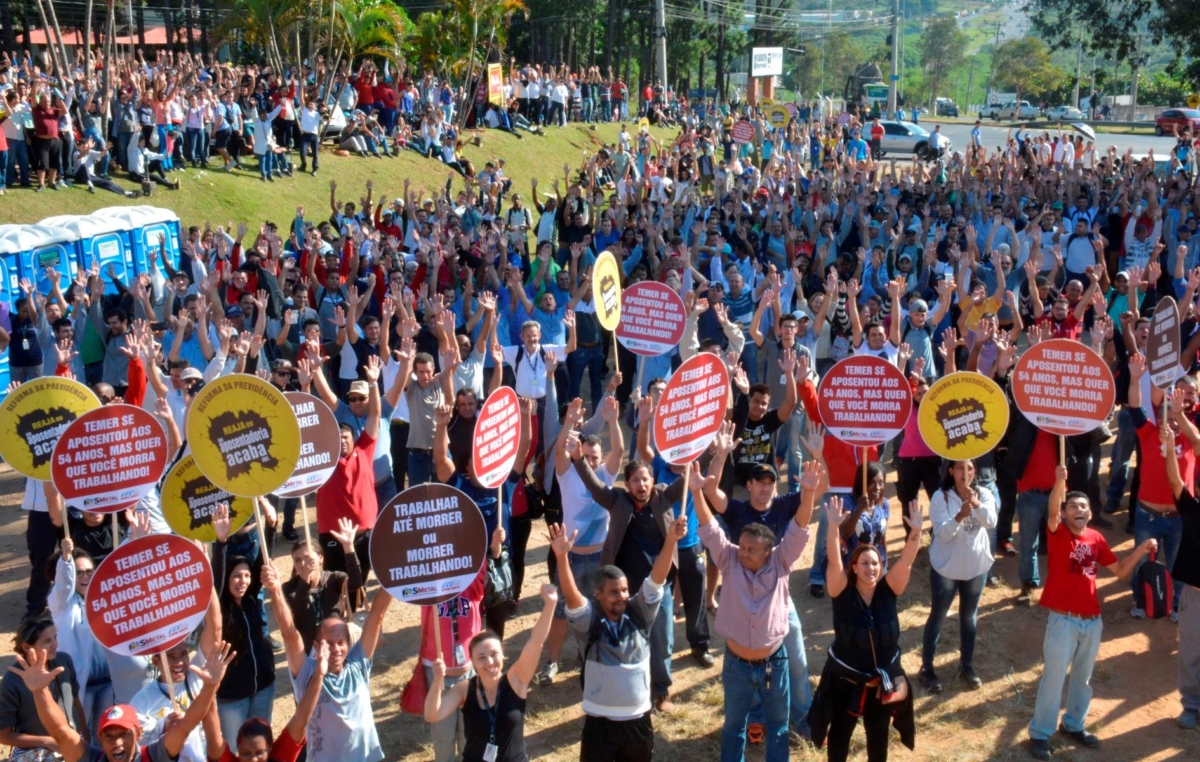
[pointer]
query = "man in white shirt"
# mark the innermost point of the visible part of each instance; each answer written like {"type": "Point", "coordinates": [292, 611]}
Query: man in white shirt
{"type": "Point", "coordinates": [310, 135]}
{"type": "Point", "coordinates": [529, 364]}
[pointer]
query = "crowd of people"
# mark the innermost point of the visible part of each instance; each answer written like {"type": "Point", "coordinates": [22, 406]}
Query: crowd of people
{"type": "Point", "coordinates": [790, 252]}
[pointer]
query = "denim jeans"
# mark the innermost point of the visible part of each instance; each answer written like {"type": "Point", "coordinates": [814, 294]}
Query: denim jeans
{"type": "Point", "coordinates": [18, 162]}
{"type": "Point", "coordinates": [662, 644]}
{"type": "Point", "coordinates": [944, 589]}
{"type": "Point", "coordinates": [589, 360]}
{"type": "Point", "coordinates": [750, 361]}
{"type": "Point", "coordinates": [801, 691]}
{"type": "Point", "coordinates": [746, 684]}
{"type": "Point", "coordinates": [1168, 532]}
{"type": "Point", "coordinates": [163, 145]}
{"type": "Point", "coordinates": [234, 713]}
{"type": "Point", "coordinates": [420, 467]}
{"type": "Point", "coordinates": [1070, 643]}
{"type": "Point", "coordinates": [192, 149]}
{"type": "Point", "coordinates": [587, 110]}
{"type": "Point", "coordinates": [98, 139]}
{"type": "Point", "coordinates": [123, 139]}
{"type": "Point", "coordinates": [3, 168]}
{"type": "Point", "coordinates": [790, 436]}
{"type": "Point", "coordinates": [1031, 509]}
{"type": "Point", "coordinates": [309, 143]}
{"type": "Point", "coordinates": [266, 163]}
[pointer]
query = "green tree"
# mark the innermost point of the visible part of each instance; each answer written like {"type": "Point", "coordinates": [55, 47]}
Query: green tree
{"type": "Point", "coordinates": [943, 47]}
{"type": "Point", "coordinates": [838, 55]}
{"type": "Point", "coordinates": [1024, 66]}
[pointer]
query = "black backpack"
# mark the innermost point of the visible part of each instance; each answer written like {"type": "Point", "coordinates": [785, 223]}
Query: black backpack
{"type": "Point", "coordinates": [1154, 592]}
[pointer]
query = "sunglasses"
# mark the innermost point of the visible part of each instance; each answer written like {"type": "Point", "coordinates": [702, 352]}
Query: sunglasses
{"type": "Point", "coordinates": [356, 398]}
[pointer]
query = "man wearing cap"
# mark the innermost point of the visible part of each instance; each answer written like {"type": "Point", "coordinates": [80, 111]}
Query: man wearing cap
{"type": "Point", "coordinates": [1140, 238]}
{"type": "Point", "coordinates": [918, 326]}
{"type": "Point", "coordinates": [775, 512]}
{"type": "Point", "coordinates": [119, 731]}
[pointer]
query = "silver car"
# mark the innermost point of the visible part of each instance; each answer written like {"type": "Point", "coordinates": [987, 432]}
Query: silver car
{"type": "Point", "coordinates": [909, 138]}
{"type": "Point", "coordinates": [1064, 114]}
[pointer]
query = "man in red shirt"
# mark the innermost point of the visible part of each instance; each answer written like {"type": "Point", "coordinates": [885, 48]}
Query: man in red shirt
{"type": "Point", "coordinates": [350, 491]}
{"type": "Point", "coordinates": [1074, 554]}
{"type": "Point", "coordinates": [876, 139]}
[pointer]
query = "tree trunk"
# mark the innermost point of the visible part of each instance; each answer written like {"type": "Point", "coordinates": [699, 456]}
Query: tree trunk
{"type": "Point", "coordinates": [189, 22]}
{"type": "Point", "coordinates": [50, 47]}
{"type": "Point", "coordinates": [469, 96]}
{"type": "Point", "coordinates": [720, 63]}
{"type": "Point", "coordinates": [169, 23]}
{"type": "Point", "coordinates": [141, 25]}
{"type": "Point", "coordinates": [87, 38]}
{"type": "Point", "coordinates": [6, 21]}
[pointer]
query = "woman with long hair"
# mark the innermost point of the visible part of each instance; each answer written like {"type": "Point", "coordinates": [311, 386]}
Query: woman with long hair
{"type": "Point", "coordinates": [867, 523]}
{"type": "Point", "coordinates": [962, 514]}
{"type": "Point", "coordinates": [20, 726]}
{"type": "Point", "coordinates": [863, 675]}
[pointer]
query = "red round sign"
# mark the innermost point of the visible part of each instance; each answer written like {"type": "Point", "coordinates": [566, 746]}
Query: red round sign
{"type": "Point", "coordinates": [742, 132]}
{"type": "Point", "coordinates": [109, 458]}
{"type": "Point", "coordinates": [652, 319]}
{"type": "Point", "coordinates": [864, 401]}
{"type": "Point", "coordinates": [149, 594]}
{"type": "Point", "coordinates": [497, 435]}
{"type": "Point", "coordinates": [1063, 387]}
{"type": "Point", "coordinates": [691, 408]}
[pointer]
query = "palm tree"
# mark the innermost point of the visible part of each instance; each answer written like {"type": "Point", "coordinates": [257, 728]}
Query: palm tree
{"type": "Point", "coordinates": [262, 23]}
{"type": "Point", "coordinates": [369, 28]}
{"type": "Point", "coordinates": [436, 47]}
{"type": "Point", "coordinates": [492, 12]}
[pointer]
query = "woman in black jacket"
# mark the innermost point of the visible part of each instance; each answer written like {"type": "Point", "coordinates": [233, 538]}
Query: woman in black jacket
{"type": "Point", "coordinates": [248, 689]}
{"type": "Point", "coordinates": [313, 593]}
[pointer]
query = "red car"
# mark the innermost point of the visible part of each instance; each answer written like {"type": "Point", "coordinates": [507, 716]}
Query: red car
{"type": "Point", "coordinates": [1183, 118]}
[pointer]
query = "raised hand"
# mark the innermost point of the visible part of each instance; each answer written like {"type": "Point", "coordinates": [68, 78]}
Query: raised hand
{"type": "Point", "coordinates": [915, 519]}
{"type": "Point", "coordinates": [810, 475]}
{"type": "Point", "coordinates": [215, 665]}
{"type": "Point", "coordinates": [560, 543]}
{"type": "Point", "coordinates": [345, 533]}
{"type": "Point", "coordinates": [814, 439]}
{"type": "Point", "coordinates": [33, 669]}
{"type": "Point", "coordinates": [834, 512]}
{"type": "Point", "coordinates": [221, 522]}
{"type": "Point", "coordinates": [1137, 365]}
{"type": "Point", "coordinates": [724, 440]}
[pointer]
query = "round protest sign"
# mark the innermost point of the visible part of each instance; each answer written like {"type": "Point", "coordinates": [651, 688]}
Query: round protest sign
{"type": "Point", "coordinates": [691, 408]}
{"type": "Point", "coordinates": [189, 498]}
{"type": "Point", "coordinates": [429, 544]}
{"type": "Point", "coordinates": [606, 290]}
{"type": "Point", "coordinates": [765, 104]}
{"type": "Point", "coordinates": [1063, 387]}
{"type": "Point", "coordinates": [244, 435]}
{"type": "Point", "coordinates": [109, 458]}
{"type": "Point", "coordinates": [149, 594]}
{"type": "Point", "coordinates": [844, 118]}
{"type": "Point", "coordinates": [34, 416]}
{"type": "Point", "coordinates": [793, 112]}
{"type": "Point", "coordinates": [497, 435]}
{"type": "Point", "coordinates": [742, 132]}
{"type": "Point", "coordinates": [320, 445]}
{"type": "Point", "coordinates": [652, 319]}
{"type": "Point", "coordinates": [778, 116]}
{"type": "Point", "coordinates": [963, 416]}
{"type": "Point", "coordinates": [1163, 345]}
{"type": "Point", "coordinates": [864, 401]}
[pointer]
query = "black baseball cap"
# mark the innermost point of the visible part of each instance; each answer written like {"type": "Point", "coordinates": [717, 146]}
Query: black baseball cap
{"type": "Point", "coordinates": [762, 470]}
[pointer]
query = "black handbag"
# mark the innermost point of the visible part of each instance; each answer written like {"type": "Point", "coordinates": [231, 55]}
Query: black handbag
{"type": "Point", "coordinates": [499, 587]}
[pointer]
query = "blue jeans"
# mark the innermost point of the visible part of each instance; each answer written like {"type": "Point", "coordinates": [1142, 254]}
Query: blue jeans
{"type": "Point", "coordinates": [167, 163]}
{"type": "Point", "coordinates": [266, 163]}
{"type": "Point", "coordinates": [3, 168]}
{"type": "Point", "coordinates": [588, 360]}
{"type": "Point", "coordinates": [662, 644]}
{"type": "Point", "coordinates": [420, 467]}
{"type": "Point", "coordinates": [234, 713]}
{"type": "Point", "coordinates": [1031, 509]}
{"type": "Point", "coordinates": [586, 114]}
{"type": "Point", "coordinates": [18, 166]}
{"type": "Point", "coordinates": [744, 684]}
{"type": "Point", "coordinates": [192, 147]}
{"type": "Point", "coordinates": [123, 139]}
{"type": "Point", "coordinates": [1122, 449]}
{"type": "Point", "coordinates": [385, 490]}
{"type": "Point", "coordinates": [789, 441]}
{"type": "Point", "coordinates": [1169, 532]}
{"type": "Point", "coordinates": [944, 589]}
{"type": "Point", "coordinates": [1072, 643]}
{"type": "Point", "coordinates": [801, 691]}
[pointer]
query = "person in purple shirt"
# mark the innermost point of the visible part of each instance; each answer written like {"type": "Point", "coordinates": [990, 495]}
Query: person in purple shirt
{"type": "Point", "coordinates": [753, 616]}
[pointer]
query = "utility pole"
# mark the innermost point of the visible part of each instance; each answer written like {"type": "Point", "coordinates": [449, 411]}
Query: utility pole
{"type": "Point", "coordinates": [992, 73]}
{"type": "Point", "coordinates": [1078, 71]}
{"type": "Point", "coordinates": [660, 31]}
{"type": "Point", "coordinates": [1137, 66]}
{"type": "Point", "coordinates": [894, 79]}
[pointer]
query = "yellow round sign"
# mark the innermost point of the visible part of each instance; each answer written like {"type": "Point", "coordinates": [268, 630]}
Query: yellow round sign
{"type": "Point", "coordinates": [1193, 101]}
{"type": "Point", "coordinates": [765, 104]}
{"type": "Point", "coordinates": [644, 124]}
{"type": "Point", "coordinates": [34, 416]}
{"type": "Point", "coordinates": [244, 435]}
{"type": "Point", "coordinates": [778, 116]}
{"type": "Point", "coordinates": [963, 416]}
{"type": "Point", "coordinates": [189, 498]}
{"type": "Point", "coordinates": [606, 290]}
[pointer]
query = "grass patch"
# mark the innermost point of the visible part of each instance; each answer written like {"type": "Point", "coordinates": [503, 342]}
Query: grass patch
{"type": "Point", "coordinates": [219, 197]}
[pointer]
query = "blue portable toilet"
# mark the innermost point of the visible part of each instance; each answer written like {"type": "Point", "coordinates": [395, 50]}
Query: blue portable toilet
{"type": "Point", "coordinates": [41, 246]}
{"type": "Point", "coordinates": [146, 224]}
{"type": "Point", "coordinates": [101, 238]}
{"type": "Point", "coordinates": [10, 267]}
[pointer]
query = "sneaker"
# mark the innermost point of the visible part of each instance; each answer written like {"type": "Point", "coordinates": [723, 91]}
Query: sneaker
{"type": "Point", "coordinates": [930, 682]}
{"type": "Point", "coordinates": [1039, 749]}
{"type": "Point", "coordinates": [290, 535]}
{"type": "Point", "coordinates": [1111, 508]}
{"type": "Point", "coordinates": [1175, 617]}
{"type": "Point", "coordinates": [1026, 596]}
{"type": "Point", "coordinates": [1008, 549]}
{"type": "Point", "coordinates": [91, 188]}
{"type": "Point", "coordinates": [276, 644]}
{"type": "Point", "coordinates": [39, 189]}
{"type": "Point", "coordinates": [816, 591]}
{"type": "Point", "coordinates": [968, 676]}
{"type": "Point", "coordinates": [756, 733]}
{"type": "Point", "coordinates": [1081, 736]}
{"type": "Point", "coordinates": [547, 675]}
{"type": "Point", "coordinates": [663, 703]}
{"type": "Point", "coordinates": [1137, 613]}
{"type": "Point", "coordinates": [1187, 719]}
{"type": "Point", "coordinates": [994, 580]}
{"type": "Point", "coordinates": [703, 658]}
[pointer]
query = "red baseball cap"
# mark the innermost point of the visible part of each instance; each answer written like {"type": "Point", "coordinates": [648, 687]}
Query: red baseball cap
{"type": "Point", "coordinates": [119, 716]}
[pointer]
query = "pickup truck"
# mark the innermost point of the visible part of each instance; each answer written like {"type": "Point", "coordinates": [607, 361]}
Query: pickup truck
{"type": "Point", "coordinates": [990, 111]}
{"type": "Point", "coordinates": [1013, 111]}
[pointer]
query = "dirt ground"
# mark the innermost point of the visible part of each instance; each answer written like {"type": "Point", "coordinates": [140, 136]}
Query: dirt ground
{"type": "Point", "coordinates": [1135, 681]}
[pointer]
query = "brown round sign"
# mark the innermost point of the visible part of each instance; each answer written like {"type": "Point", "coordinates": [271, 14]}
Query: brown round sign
{"type": "Point", "coordinates": [429, 544]}
{"type": "Point", "coordinates": [320, 445]}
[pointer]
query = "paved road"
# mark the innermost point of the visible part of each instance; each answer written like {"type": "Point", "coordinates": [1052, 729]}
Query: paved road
{"type": "Point", "coordinates": [960, 136]}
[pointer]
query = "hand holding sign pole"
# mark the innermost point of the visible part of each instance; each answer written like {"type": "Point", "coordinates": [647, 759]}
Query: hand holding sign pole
{"type": "Point", "coordinates": [1163, 345]}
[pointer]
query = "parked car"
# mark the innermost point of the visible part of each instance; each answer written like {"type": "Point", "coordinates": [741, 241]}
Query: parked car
{"type": "Point", "coordinates": [1183, 118]}
{"type": "Point", "coordinates": [945, 107]}
{"type": "Point", "coordinates": [990, 111]}
{"type": "Point", "coordinates": [1014, 111]}
{"type": "Point", "coordinates": [908, 138]}
{"type": "Point", "coordinates": [1064, 114]}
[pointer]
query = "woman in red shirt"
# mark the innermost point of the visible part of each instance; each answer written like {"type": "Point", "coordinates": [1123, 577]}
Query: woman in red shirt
{"type": "Point", "coordinates": [46, 144]}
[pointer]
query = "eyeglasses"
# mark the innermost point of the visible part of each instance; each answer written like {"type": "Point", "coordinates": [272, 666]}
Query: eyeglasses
{"type": "Point", "coordinates": [356, 398]}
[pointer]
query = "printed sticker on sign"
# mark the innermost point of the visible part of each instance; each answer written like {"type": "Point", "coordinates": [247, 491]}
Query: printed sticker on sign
{"type": "Point", "coordinates": [691, 408]}
{"type": "Point", "coordinates": [497, 436]}
{"type": "Point", "coordinates": [963, 416]}
{"type": "Point", "coordinates": [34, 416]}
{"type": "Point", "coordinates": [1163, 345]}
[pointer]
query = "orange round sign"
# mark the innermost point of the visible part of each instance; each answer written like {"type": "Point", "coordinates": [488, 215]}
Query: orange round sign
{"type": "Point", "coordinates": [1063, 387]}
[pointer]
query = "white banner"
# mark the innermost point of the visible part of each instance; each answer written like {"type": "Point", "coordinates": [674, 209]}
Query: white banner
{"type": "Point", "coordinates": [766, 62]}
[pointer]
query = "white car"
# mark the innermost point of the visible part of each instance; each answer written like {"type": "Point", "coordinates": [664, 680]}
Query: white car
{"type": "Point", "coordinates": [908, 138]}
{"type": "Point", "coordinates": [1064, 114]}
{"type": "Point", "coordinates": [1013, 111]}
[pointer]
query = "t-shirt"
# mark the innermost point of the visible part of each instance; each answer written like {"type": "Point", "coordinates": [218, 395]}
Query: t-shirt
{"type": "Point", "coordinates": [17, 710]}
{"type": "Point", "coordinates": [350, 491]}
{"type": "Point", "coordinates": [283, 749]}
{"type": "Point", "coordinates": [153, 704]}
{"type": "Point", "coordinates": [1072, 562]}
{"type": "Point", "coordinates": [1155, 488]}
{"type": "Point", "coordinates": [756, 439]}
{"type": "Point", "coordinates": [580, 512]}
{"type": "Point", "coordinates": [976, 313]}
{"type": "Point", "coordinates": [1039, 469]}
{"type": "Point", "coordinates": [422, 403]}
{"type": "Point", "coordinates": [1187, 562]}
{"type": "Point", "coordinates": [342, 727]}
{"type": "Point", "coordinates": [739, 514]}
{"type": "Point", "coordinates": [155, 752]}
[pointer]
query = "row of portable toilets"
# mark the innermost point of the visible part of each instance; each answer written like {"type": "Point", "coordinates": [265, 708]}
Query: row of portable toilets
{"type": "Point", "coordinates": [126, 237]}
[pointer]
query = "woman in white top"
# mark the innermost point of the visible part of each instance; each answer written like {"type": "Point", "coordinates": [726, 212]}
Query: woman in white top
{"type": "Point", "coordinates": [72, 575]}
{"type": "Point", "coordinates": [960, 556]}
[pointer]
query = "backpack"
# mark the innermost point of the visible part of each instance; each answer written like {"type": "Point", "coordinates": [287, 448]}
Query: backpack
{"type": "Point", "coordinates": [596, 629]}
{"type": "Point", "coordinates": [1154, 592]}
